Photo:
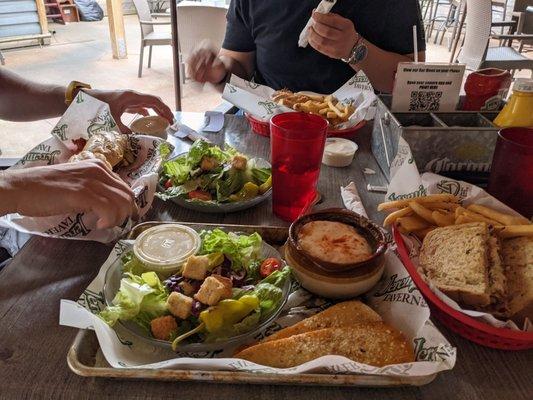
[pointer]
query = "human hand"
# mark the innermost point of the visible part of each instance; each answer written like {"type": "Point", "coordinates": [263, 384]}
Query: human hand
{"type": "Point", "coordinates": [204, 65]}
{"type": "Point", "coordinates": [332, 35]}
{"type": "Point", "coordinates": [83, 186]}
{"type": "Point", "coordinates": [129, 101]}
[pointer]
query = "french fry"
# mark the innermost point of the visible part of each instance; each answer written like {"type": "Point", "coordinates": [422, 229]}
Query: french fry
{"type": "Point", "coordinates": [410, 224]}
{"type": "Point", "coordinates": [463, 219]}
{"type": "Point", "coordinates": [475, 217]}
{"type": "Point", "coordinates": [441, 205]}
{"type": "Point", "coordinates": [331, 114]}
{"type": "Point", "coordinates": [422, 212]}
{"type": "Point", "coordinates": [432, 198]}
{"type": "Point", "coordinates": [504, 219]}
{"type": "Point", "coordinates": [392, 217]}
{"type": "Point", "coordinates": [315, 97]}
{"type": "Point", "coordinates": [442, 218]}
{"type": "Point", "coordinates": [334, 108]}
{"type": "Point", "coordinates": [510, 231]}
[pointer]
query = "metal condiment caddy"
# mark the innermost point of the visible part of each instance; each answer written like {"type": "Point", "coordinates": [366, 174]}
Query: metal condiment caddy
{"type": "Point", "coordinates": [457, 144]}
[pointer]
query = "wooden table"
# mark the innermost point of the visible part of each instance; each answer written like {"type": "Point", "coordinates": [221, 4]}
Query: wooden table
{"type": "Point", "coordinates": [33, 346]}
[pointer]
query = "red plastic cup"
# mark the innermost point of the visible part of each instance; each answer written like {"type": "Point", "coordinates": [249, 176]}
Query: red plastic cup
{"type": "Point", "coordinates": [511, 175]}
{"type": "Point", "coordinates": [297, 144]}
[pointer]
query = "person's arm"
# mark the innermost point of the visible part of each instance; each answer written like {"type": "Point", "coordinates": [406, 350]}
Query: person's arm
{"type": "Point", "coordinates": [67, 188]}
{"type": "Point", "coordinates": [25, 100]}
{"type": "Point", "coordinates": [206, 66]}
{"type": "Point", "coordinates": [335, 37]}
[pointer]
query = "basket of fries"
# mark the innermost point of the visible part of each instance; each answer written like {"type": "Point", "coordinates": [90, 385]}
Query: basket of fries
{"type": "Point", "coordinates": [263, 128]}
{"type": "Point", "coordinates": [414, 219]}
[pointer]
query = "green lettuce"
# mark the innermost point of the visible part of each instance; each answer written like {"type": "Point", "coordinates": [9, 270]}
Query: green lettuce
{"type": "Point", "coordinates": [140, 298]}
{"type": "Point", "coordinates": [242, 250]}
{"type": "Point", "coordinates": [202, 148]}
{"type": "Point", "coordinates": [270, 290]}
{"type": "Point", "coordinates": [177, 170]}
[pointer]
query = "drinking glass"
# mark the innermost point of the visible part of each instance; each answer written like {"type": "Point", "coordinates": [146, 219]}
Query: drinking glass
{"type": "Point", "coordinates": [297, 144]}
{"type": "Point", "coordinates": [511, 175]}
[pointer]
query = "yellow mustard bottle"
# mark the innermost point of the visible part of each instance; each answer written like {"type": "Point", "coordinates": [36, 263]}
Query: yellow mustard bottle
{"type": "Point", "coordinates": [518, 112]}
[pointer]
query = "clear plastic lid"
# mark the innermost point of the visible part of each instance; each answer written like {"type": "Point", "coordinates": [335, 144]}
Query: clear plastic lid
{"type": "Point", "coordinates": [166, 246]}
{"type": "Point", "coordinates": [524, 85]}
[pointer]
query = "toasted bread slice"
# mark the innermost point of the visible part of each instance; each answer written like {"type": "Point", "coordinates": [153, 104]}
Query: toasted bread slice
{"type": "Point", "coordinates": [455, 259]}
{"type": "Point", "coordinates": [342, 314]}
{"type": "Point", "coordinates": [517, 256]}
{"type": "Point", "coordinates": [372, 343]}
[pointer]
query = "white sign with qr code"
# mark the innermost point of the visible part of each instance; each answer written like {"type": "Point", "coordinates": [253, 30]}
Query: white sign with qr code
{"type": "Point", "coordinates": [429, 87]}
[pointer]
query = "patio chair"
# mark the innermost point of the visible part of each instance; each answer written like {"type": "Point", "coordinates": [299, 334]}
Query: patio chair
{"type": "Point", "coordinates": [149, 37]}
{"type": "Point", "coordinates": [197, 22]}
{"type": "Point", "coordinates": [476, 52]}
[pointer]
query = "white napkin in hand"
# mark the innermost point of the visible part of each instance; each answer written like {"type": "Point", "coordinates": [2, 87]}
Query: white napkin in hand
{"type": "Point", "coordinates": [324, 7]}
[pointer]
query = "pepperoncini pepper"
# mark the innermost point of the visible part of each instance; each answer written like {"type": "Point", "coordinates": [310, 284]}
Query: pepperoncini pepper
{"type": "Point", "coordinates": [248, 191]}
{"type": "Point", "coordinates": [228, 312]}
{"type": "Point", "coordinates": [265, 186]}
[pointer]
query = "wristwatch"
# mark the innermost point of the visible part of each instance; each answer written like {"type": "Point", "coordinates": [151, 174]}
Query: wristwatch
{"type": "Point", "coordinates": [73, 89]}
{"type": "Point", "coordinates": [357, 54]}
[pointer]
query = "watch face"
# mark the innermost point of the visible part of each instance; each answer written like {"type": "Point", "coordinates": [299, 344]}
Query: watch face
{"type": "Point", "coordinates": [359, 53]}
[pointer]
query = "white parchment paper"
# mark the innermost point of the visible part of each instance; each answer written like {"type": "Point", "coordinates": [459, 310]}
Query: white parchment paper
{"type": "Point", "coordinates": [256, 99]}
{"type": "Point", "coordinates": [395, 298]}
{"type": "Point", "coordinates": [406, 182]}
{"type": "Point", "coordinates": [85, 117]}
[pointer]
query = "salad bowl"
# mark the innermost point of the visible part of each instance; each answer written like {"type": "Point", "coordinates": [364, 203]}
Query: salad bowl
{"type": "Point", "coordinates": [113, 284]}
{"type": "Point", "coordinates": [189, 181]}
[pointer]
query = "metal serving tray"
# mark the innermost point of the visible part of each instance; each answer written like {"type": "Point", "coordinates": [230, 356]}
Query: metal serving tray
{"type": "Point", "coordinates": [85, 358]}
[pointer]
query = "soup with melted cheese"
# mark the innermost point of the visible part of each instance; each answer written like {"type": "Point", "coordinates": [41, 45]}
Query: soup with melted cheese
{"type": "Point", "coordinates": [334, 242]}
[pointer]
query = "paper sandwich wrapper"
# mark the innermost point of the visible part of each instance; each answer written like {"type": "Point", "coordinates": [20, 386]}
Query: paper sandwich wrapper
{"type": "Point", "coordinates": [256, 99]}
{"type": "Point", "coordinates": [406, 182]}
{"type": "Point", "coordinates": [85, 117]}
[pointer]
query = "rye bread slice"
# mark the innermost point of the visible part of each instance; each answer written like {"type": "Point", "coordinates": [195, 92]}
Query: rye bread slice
{"type": "Point", "coordinates": [456, 260]}
{"type": "Point", "coordinates": [339, 315]}
{"type": "Point", "coordinates": [372, 343]}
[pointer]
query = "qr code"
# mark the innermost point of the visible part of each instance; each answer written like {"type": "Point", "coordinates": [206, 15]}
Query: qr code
{"type": "Point", "coordinates": [425, 101]}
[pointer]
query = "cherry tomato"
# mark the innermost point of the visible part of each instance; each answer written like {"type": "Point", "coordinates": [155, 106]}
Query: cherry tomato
{"type": "Point", "coordinates": [200, 195]}
{"type": "Point", "coordinates": [168, 184]}
{"type": "Point", "coordinates": [269, 266]}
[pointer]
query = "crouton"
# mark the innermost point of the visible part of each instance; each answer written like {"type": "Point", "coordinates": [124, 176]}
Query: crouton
{"type": "Point", "coordinates": [163, 328]}
{"type": "Point", "coordinates": [239, 162]}
{"type": "Point", "coordinates": [208, 163]}
{"type": "Point", "coordinates": [195, 267]}
{"type": "Point", "coordinates": [213, 290]}
{"type": "Point", "coordinates": [227, 285]}
{"type": "Point", "coordinates": [179, 305]}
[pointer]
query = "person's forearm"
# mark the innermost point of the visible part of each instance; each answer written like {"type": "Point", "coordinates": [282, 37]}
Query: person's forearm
{"type": "Point", "coordinates": [235, 67]}
{"type": "Point", "coordinates": [380, 66]}
{"type": "Point", "coordinates": [24, 100]}
{"type": "Point", "coordinates": [8, 202]}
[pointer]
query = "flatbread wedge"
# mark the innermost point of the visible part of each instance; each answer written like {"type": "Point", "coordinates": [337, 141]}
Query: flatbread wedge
{"type": "Point", "coordinates": [372, 343]}
{"type": "Point", "coordinates": [339, 315]}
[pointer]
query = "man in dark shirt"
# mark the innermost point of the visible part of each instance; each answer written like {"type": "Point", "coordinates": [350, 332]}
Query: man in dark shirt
{"type": "Point", "coordinates": [262, 42]}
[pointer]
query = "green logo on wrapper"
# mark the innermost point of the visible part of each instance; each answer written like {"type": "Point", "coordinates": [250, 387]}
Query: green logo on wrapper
{"type": "Point", "coordinates": [60, 132]}
{"type": "Point", "coordinates": [40, 153]}
{"type": "Point", "coordinates": [69, 227]}
{"type": "Point", "coordinates": [269, 106]}
{"type": "Point", "coordinates": [422, 191]}
{"type": "Point", "coordinates": [102, 122]}
{"type": "Point", "coordinates": [92, 301]}
{"type": "Point", "coordinates": [432, 353]}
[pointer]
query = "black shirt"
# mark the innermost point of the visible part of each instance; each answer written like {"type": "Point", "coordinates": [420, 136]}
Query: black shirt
{"type": "Point", "coordinates": [271, 28]}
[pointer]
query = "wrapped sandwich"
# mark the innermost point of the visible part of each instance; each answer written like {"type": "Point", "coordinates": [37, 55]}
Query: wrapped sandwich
{"type": "Point", "coordinates": [110, 147]}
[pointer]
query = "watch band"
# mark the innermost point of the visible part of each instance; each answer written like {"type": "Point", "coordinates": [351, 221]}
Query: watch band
{"type": "Point", "coordinates": [358, 52]}
{"type": "Point", "coordinates": [72, 89]}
